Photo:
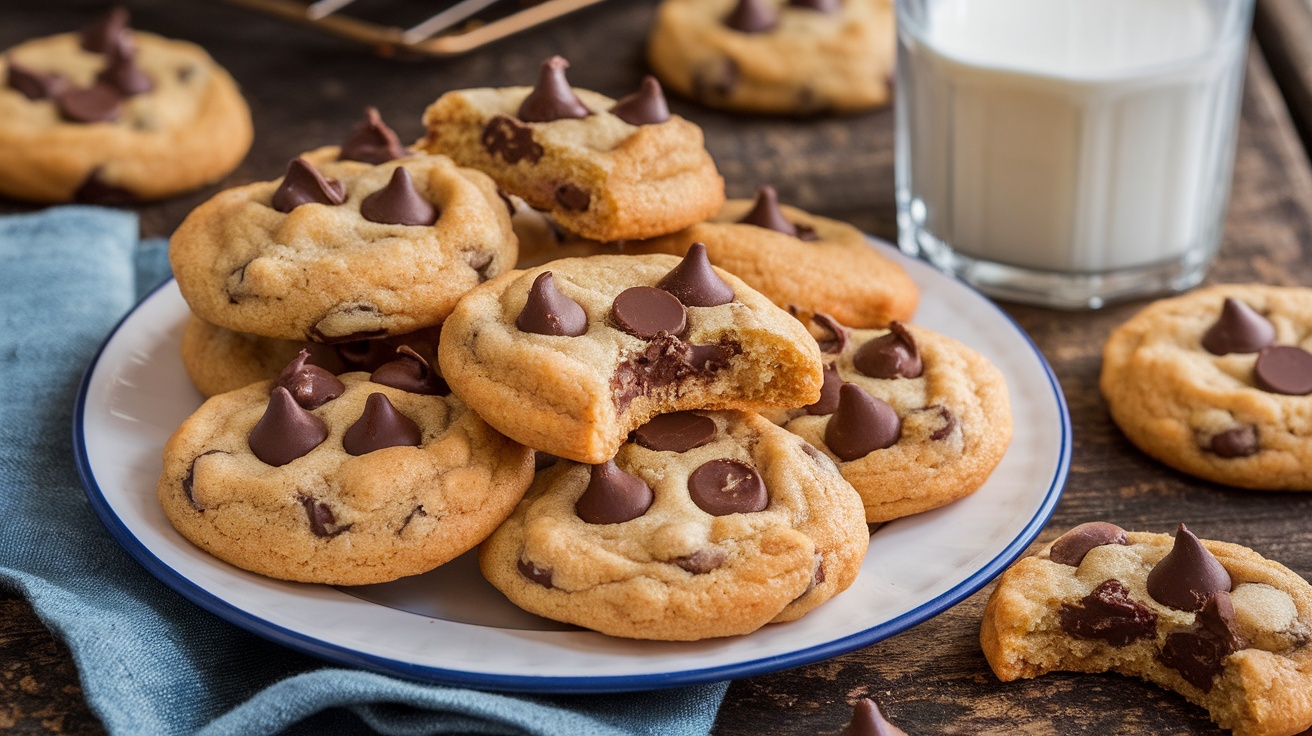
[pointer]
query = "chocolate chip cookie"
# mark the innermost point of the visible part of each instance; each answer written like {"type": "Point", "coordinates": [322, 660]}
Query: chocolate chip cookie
{"type": "Point", "coordinates": [1215, 622]}
{"type": "Point", "coordinates": [1218, 384]}
{"type": "Point", "coordinates": [705, 524]}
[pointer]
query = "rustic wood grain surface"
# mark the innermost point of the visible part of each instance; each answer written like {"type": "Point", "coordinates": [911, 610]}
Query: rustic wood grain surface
{"type": "Point", "coordinates": [307, 90]}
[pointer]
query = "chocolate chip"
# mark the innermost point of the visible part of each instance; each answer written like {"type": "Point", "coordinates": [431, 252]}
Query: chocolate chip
{"type": "Point", "coordinates": [839, 335]}
{"type": "Point", "coordinates": [573, 198]}
{"type": "Point", "coordinates": [121, 71]}
{"type": "Point", "coordinates": [725, 486]}
{"type": "Point", "coordinates": [1187, 575]}
{"type": "Point", "coordinates": [1071, 547]}
{"type": "Point", "coordinates": [1239, 329]}
{"type": "Point", "coordinates": [752, 16]}
{"type": "Point", "coordinates": [711, 358]}
{"type": "Point", "coordinates": [868, 721]}
{"type": "Point", "coordinates": [100, 35]}
{"type": "Point", "coordinates": [380, 426]}
{"type": "Point", "coordinates": [891, 355]}
{"type": "Point", "coordinates": [818, 576]}
{"type": "Point", "coordinates": [765, 213]}
{"type": "Point", "coordinates": [949, 423]}
{"type": "Point", "coordinates": [286, 431]}
{"type": "Point", "coordinates": [549, 312]}
{"type": "Point", "coordinates": [678, 431]}
{"type": "Point", "coordinates": [310, 385]}
{"type": "Point", "coordinates": [33, 84]}
{"type": "Point", "coordinates": [646, 106]}
{"type": "Point", "coordinates": [716, 83]}
{"type": "Point", "coordinates": [303, 184]}
{"type": "Point", "coordinates": [694, 282]}
{"type": "Point", "coordinates": [806, 232]}
{"type": "Point", "coordinates": [552, 98]}
{"type": "Point", "coordinates": [702, 561]}
{"type": "Point", "coordinates": [410, 372]}
{"type": "Point", "coordinates": [539, 575]}
{"type": "Point", "coordinates": [645, 311]}
{"type": "Point", "coordinates": [1199, 653]}
{"type": "Point", "coordinates": [1234, 442]}
{"type": "Point", "coordinates": [1284, 369]}
{"type": "Point", "coordinates": [828, 402]}
{"type": "Point", "coordinates": [416, 511]}
{"type": "Point", "coordinates": [98, 103]}
{"type": "Point", "coordinates": [95, 191]}
{"type": "Point", "coordinates": [371, 142]}
{"type": "Point", "coordinates": [543, 460]}
{"type": "Point", "coordinates": [188, 483]}
{"type": "Point", "coordinates": [861, 424]}
{"type": "Point", "coordinates": [828, 7]}
{"type": "Point", "coordinates": [358, 355]}
{"type": "Point", "coordinates": [322, 518]}
{"type": "Point", "coordinates": [398, 203]}
{"type": "Point", "coordinates": [511, 140]}
{"type": "Point", "coordinates": [664, 361]}
{"type": "Point", "coordinates": [613, 496]}
{"type": "Point", "coordinates": [1108, 614]}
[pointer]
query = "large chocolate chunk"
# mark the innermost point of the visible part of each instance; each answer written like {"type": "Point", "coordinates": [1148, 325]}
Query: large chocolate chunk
{"type": "Point", "coordinates": [694, 282]}
{"type": "Point", "coordinates": [678, 431]}
{"type": "Point", "coordinates": [1238, 441]}
{"type": "Point", "coordinates": [286, 431]}
{"type": "Point", "coordinates": [646, 106]}
{"type": "Point", "coordinates": [33, 84]}
{"type": "Point", "coordinates": [613, 496]}
{"type": "Point", "coordinates": [1188, 575]}
{"type": "Point", "coordinates": [303, 184]}
{"type": "Point", "coordinates": [765, 213]}
{"type": "Point", "coordinates": [1284, 369]}
{"type": "Point", "coordinates": [410, 372]}
{"type": "Point", "coordinates": [1108, 614]}
{"type": "Point", "coordinates": [552, 98]}
{"type": "Point", "coordinates": [861, 424]}
{"type": "Point", "coordinates": [511, 140]}
{"type": "Point", "coordinates": [321, 517]}
{"type": "Point", "coordinates": [752, 16]}
{"type": "Point", "coordinates": [1071, 547]}
{"type": "Point", "coordinates": [99, 103]}
{"type": "Point", "coordinates": [101, 35]}
{"type": "Point", "coordinates": [121, 70]}
{"type": "Point", "coordinates": [645, 311]}
{"type": "Point", "coordinates": [1199, 653]}
{"type": "Point", "coordinates": [398, 203]}
{"type": "Point", "coordinates": [828, 402]}
{"type": "Point", "coordinates": [1239, 329]}
{"type": "Point", "coordinates": [725, 486]}
{"type": "Point", "coordinates": [891, 355]}
{"type": "Point", "coordinates": [310, 385]}
{"type": "Point", "coordinates": [372, 141]}
{"type": "Point", "coordinates": [549, 312]}
{"type": "Point", "coordinates": [380, 426]}
{"type": "Point", "coordinates": [666, 360]}
{"type": "Point", "coordinates": [868, 721]}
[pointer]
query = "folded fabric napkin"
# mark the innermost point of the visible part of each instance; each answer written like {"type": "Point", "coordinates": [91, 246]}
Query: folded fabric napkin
{"type": "Point", "coordinates": [150, 661]}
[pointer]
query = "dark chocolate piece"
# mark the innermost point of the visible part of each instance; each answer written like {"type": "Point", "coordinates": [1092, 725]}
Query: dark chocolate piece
{"type": "Point", "coordinates": [949, 423]}
{"type": "Point", "coordinates": [646, 106]}
{"type": "Point", "coordinates": [694, 282]}
{"type": "Point", "coordinates": [121, 71]}
{"type": "Point", "coordinates": [398, 203]}
{"type": "Point", "coordinates": [573, 198]}
{"type": "Point", "coordinates": [286, 431]}
{"type": "Point", "coordinates": [100, 36]}
{"type": "Point", "coordinates": [1199, 653]}
{"type": "Point", "coordinates": [543, 460]}
{"type": "Point", "coordinates": [613, 496]}
{"type": "Point", "coordinates": [95, 191]}
{"type": "Point", "coordinates": [1239, 329]}
{"type": "Point", "coordinates": [309, 385]}
{"type": "Point", "coordinates": [372, 141]}
{"type": "Point", "coordinates": [549, 312]}
{"type": "Point", "coordinates": [33, 84]}
{"type": "Point", "coordinates": [828, 402]}
{"type": "Point", "coordinates": [891, 355]}
{"type": "Point", "coordinates": [189, 482]}
{"type": "Point", "coordinates": [765, 213]}
{"type": "Point", "coordinates": [666, 360]}
{"type": "Point", "coordinates": [1284, 369]}
{"type": "Point", "coordinates": [868, 721]}
{"type": "Point", "coordinates": [99, 103]}
{"type": "Point", "coordinates": [722, 487]}
{"type": "Point", "coordinates": [1188, 575]}
{"type": "Point", "coordinates": [1071, 547]}
{"type": "Point", "coordinates": [861, 424]}
{"type": "Point", "coordinates": [678, 431]}
{"type": "Point", "coordinates": [752, 16]}
{"type": "Point", "coordinates": [711, 358]}
{"type": "Point", "coordinates": [1238, 441]}
{"type": "Point", "coordinates": [380, 426]}
{"type": "Point", "coordinates": [410, 372]}
{"type": "Point", "coordinates": [828, 7]}
{"type": "Point", "coordinates": [840, 334]}
{"type": "Point", "coordinates": [510, 139]}
{"type": "Point", "coordinates": [302, 184]}
{"type": "Point", "coordinates": [645, 311]}
{"type": "Point", "coordinates": [552, 98]}
{"type": "Point", "coordinates": [322, 518]}
{"type": "Point", "coordinates": [1108, 614]}
{"type": "Point", "coordinates": [537, 574]}
{"type": "Point", "coordinates": [416, 511]}
{"type": "Point", "coordinates": [702, 561]}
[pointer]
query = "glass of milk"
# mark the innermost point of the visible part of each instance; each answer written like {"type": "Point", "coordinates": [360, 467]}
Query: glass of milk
{"type": "Point", "coordinates": [1067, 152]}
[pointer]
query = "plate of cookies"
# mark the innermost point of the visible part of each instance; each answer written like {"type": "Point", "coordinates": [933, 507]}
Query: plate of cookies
{"type": "Point", "coordinates": [530, 406]}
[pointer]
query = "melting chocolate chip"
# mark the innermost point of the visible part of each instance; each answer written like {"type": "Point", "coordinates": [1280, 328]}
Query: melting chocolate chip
{"type": "Point", "coordinates": [188, 483]}
{"type": "Point", "coordinates": [678, 431]}
{"type": "Point", "coordinates": [95, 191]}
{"type": "Point", "coordinates": [1199, 653]}
{"type": "Point", "coordinates": [410, 372]}
{"type": "Point", "coordinates": [949, 423]}
{"type": "Point", "coordinates": [828, 402]}
{"type": "Point", "coordinates": [303, 184]}
{"type": "Point", "coordinates": [511, 140]}
{"type": "Point", "coordinates": [1071, 547]}
{"type": "Point", "coordinates": [100, 36]}
{"type": "Point", "coordinates": [539, 575]}
{"type": "Point", "coordinates": [549, 312]}
{"type": "Point", "coordinates": [752, 16]}
{"type": "Point", "coordinates": [645, 311]}
{"type": "Point", "coordinates": [543, 460]}
{"type": "Point", "coordinates": [891, 355]}
{"type": "Point", "coordinates": [646, 106]}
{"type": "Point", "coordinates": [99, 103]}
{"type": "Point", "coordinates": [1239, 329]}
{"type": "Point", "coordinates": [372, 141]}
{"type": "Point", "coordinates": [1234, 442]}
{"type": "Point", "coordinates": [33, 84]}
{"type": "Point", "coordinates": [286, 431]}
{"type": "Point", "coordinates": [121, 71]}
{"type": "Point", "coordinates": [552, 98]}
{"type": "Point", "coordinates": [861, 424]}
{"type": "Point", "coordinates": [310, 385]}
{"type": "Point", "coordinates": [666, 360]}
{"type": "Point", "coordinates": [322, 518]}
{"type": "Point", "coordinates": [398, 203]}
{"type": "Point", "coordinates": [1187, 575]}
{"type": "Point", "coordinates": [380, 426]}
{"type": "Point", "coordinates": [1108, 614]}
{"type": "Point", "coordinates": [613, 496]}
{"type": "Point", "coordinates": [868, 721]}
{"type": "Point", "coordinates": [725, 486]}
{"type": "Point", "coordinates": [765, 213]}
{"type": "Point", "coordinates": [694, 282]}
{"type": "Point", "coordinates": [840, 334]}
{"type": "Point", "coordinates": [1284, 369]}
{"type": "Point", "coordinates": [828, 7]}
{"type": "Point", "coordinates": [573, 198]}
{"type": "Point", "coordinates": [702, 561]}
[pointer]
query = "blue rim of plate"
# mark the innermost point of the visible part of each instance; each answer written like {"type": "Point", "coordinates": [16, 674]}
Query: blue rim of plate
{"type": "Point", "coordinates": [565, 685]}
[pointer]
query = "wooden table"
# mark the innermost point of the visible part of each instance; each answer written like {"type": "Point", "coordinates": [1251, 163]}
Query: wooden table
{"type": "Point", "coordinates": [307, 90]}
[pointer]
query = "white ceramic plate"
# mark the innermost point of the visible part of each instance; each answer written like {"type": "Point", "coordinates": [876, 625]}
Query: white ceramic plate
{"type": "Point", "coordinates": [450, 626]}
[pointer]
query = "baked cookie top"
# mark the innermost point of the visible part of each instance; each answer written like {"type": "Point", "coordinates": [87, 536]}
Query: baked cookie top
{"type": "Point", "coordinates": [776, 56]}
{"type": "Point", "coordinates": [1215, 622]}
{"type": "Point", "coordinates": [570, 357]}
{"type": "Point", "coordinates": [342, 481]}
{"type": "Point", "coordinates": [604, 169]}
{"type": "Point", "coordinates": [705, 524]}
{"type": "Point", "coordinates": [1218, 383]}
{"type": "Point", "coordinates": [113, 115]}
{"type": "Point", "coordinates": [341, 250]}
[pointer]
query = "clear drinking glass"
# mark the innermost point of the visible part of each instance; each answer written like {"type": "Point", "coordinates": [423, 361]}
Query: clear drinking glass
{"type": "Point", "coordinates": [1067, 152]}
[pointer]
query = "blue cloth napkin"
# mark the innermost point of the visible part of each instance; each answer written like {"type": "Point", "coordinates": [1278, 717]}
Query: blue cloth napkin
{"type": "Point", "coordinates": [150, 661]}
